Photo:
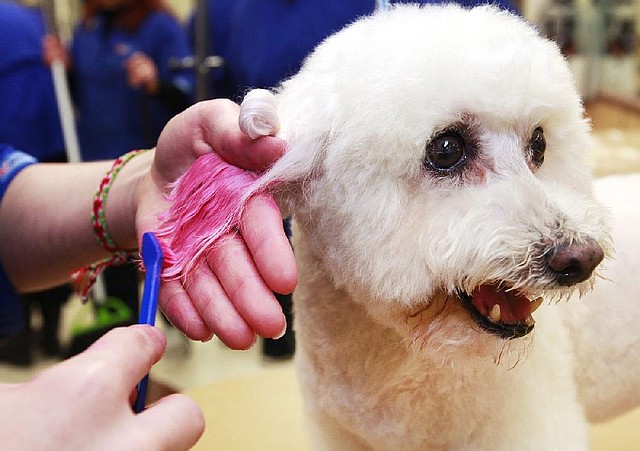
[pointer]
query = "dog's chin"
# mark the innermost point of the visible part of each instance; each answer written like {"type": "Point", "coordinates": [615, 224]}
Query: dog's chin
{"type": "Point", "coordinates": [498, 311]}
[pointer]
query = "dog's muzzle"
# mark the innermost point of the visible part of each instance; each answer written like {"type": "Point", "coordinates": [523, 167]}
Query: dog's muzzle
{"type": "Point", "coordinates": [501, 312]}
{"type": "Point", "coordinates": [507, 313]}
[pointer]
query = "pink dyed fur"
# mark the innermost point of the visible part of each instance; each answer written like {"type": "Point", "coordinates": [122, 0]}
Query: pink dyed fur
{"type": "Point", "coordinates": [207, 204]}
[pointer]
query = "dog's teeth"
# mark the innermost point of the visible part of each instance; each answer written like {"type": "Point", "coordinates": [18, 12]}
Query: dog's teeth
{"type": "Point", "coordinates": [529, 321]}
{"type": "Point", "coordinates": [494, 314]}
{"type": "Point", "coordinates": [535, 304]}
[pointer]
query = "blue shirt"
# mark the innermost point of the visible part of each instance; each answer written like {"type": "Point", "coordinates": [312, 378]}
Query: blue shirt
{"type": "Point", "coordinates": [11, 313]}
{"type": "Point", "coordinates": [29, 118]}
{"type": "Point", "coordinates": [113, 117]}
{"type": "Point", "coordinates": [265, 41]}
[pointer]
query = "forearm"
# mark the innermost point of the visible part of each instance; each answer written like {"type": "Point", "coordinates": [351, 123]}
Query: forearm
{"type": "Point", "coordinates": [45, 226]}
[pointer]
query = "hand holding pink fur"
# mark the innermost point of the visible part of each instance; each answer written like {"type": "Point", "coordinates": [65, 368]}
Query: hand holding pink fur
{"type": "Point", "coordinates": [436, 175]}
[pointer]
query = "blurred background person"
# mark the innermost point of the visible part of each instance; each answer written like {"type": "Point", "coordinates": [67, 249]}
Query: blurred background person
{"type": "Point", "coordinates": [120, 68]}
{"type": "Point", "coordinates": [262, 42]}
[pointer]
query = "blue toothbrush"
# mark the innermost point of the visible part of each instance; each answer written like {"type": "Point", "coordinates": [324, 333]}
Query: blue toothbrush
{"type": "Point", "coordinates": [153, 259]}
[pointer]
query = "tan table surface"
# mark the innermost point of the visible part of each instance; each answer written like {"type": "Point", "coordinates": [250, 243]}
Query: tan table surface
{"type": "Point", "coordinates": [259, 412]}
{"type": "Point", "coordinates": [264, 412]}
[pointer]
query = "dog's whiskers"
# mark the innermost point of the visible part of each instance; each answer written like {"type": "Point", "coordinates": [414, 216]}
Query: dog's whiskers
{"type": "Point", "coordinates": [523, 347]}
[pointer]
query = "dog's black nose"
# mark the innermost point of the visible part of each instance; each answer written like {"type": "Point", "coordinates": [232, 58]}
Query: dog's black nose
{"type": "Point", "coordinates": [573, 263]}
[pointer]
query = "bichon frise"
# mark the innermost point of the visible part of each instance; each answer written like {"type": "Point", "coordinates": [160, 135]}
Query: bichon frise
{"type": "Point", "coordinates": [436, 175]}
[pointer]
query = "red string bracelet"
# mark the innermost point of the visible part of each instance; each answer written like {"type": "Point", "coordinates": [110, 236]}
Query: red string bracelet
{"type": "Point", "coordinates": [84, 278]}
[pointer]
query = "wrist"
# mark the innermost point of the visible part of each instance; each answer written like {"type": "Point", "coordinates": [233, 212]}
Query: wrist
{"type": "Point", "coordinates": [123, 200]}
{"type": "Point", "coordinates": [114, 210]}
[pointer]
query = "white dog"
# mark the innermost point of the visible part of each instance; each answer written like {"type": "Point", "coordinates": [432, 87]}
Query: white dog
{"type": "Point", "coordinates": [436, 174]}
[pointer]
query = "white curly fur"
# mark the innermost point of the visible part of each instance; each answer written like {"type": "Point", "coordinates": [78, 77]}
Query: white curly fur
{"type": "Point", "coordinates": [388, 357]}
{"type": "Point", "coordinates": [260, 114]}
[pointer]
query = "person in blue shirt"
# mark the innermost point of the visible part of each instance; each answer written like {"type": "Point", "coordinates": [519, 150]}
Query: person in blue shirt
{"type": "Point", "coordinates": [122, 75]}
{"type": "Point", "coordinates": [85, 402]}
{"type": "Point", "coordinates": [28, 99]}
{"type": "Point", "coordinates": [264, 41]}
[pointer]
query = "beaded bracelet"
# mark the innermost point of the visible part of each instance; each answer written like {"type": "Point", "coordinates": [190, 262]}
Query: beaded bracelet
{"type": "Point", "coordinates": [84, 278]}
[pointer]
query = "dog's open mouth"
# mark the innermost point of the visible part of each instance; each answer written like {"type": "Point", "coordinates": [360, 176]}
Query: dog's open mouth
{"type": "Point", "coordinates": [505, 313]}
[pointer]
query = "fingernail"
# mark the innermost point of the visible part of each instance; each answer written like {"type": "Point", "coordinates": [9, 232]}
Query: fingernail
{"type": "Point", "coordinates": [281, 334]}
{"type": "Point", "coordinates": [208, 338]}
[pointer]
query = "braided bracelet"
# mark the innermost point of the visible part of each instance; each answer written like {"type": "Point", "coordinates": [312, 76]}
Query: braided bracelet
{"type": "Point", "coordinates": [84, 278]}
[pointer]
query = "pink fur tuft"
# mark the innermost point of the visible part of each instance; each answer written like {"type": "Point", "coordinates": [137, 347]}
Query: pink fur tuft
{"type": "Point", "coordinates": [207, 204]}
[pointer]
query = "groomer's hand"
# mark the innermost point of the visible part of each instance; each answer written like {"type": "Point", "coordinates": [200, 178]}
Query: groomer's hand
{"type": "Point", "coordinates": [231, 294]}
{"type": "Point", "coordinates": [85, 402]}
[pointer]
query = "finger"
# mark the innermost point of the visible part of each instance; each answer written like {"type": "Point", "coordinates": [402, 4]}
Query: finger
{"type": "Point", "coordinates": [261, 228]}
{"type": "Point", "coordinates": [223, 135]}
{"type": "Point", "coordinates": [212, 126]}
{"type": "Point", "coordinates": [176, 422]}
{"type": "Point", "coordinates": [217, 310]}
{"type": "Point", "coordinates": [179, 309]}
{"type": "Point", "coordinates": [252, 298]}
{"type": "Point", "coordinates": [122, 357]}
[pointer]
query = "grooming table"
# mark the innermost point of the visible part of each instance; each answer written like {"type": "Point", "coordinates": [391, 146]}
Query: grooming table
{"type": "Point", "coordinates": [264, 412]}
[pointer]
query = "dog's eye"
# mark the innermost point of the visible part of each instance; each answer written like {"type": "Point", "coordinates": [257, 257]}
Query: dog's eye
{"type": "Point", "coordinates": [445, 151]}
{"type": "Point", "coordinates": [538, 145]}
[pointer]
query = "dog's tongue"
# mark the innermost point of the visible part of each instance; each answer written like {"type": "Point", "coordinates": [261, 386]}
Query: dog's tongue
{"type": "Point", "coordinates": [513, 307]}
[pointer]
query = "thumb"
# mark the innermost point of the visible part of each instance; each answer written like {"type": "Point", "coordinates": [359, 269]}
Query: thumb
{"type": "Point", "coordinates": [177, 421]}
{"type": "Point", "coordinates": [125, 354]}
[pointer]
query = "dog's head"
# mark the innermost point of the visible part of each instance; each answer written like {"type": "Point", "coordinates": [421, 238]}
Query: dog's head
{"type": "Point", "coordinates": [437, 160]}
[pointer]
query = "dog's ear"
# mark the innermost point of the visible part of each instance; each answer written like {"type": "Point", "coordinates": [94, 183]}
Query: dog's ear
{"type": "Point", "coordinates": [260, 116]}
{"type": "Point", "coordinates": [207, 204]}
{"type": "Point", "coordinates": [208, 201]}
